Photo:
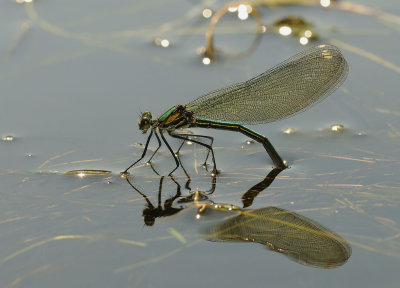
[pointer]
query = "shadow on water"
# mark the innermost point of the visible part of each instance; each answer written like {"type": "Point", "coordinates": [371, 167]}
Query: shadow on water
{"type": "Point", "coordinates": [303, 240]}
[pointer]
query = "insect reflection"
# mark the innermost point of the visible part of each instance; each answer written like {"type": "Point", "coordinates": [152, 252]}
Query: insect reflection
{"type": "Point", "coordinates": [302, 239]}
{"type": "Point", "coordinates": [169, 207]}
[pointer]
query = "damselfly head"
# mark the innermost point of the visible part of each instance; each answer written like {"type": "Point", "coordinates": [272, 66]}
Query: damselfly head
{"type": "Point", "coordinates": [149, 219]}
{"type": "Point", "coordinates": [145, 121]}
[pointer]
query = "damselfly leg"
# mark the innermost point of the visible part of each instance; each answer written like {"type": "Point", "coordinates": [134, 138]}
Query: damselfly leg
{"type": "Point", "coordinates": [143, 154]}
{"type": "Point", "coordinates": [189, 138]}
{"type": "Point", "coordinates": [209, 147]}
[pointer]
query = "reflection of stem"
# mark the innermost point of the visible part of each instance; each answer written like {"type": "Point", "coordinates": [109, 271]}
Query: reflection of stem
{"type": "Point", "coordinates": [368, 11]}
{"type": "Point", "coordinates": [366, 54]}
{"type": "Point", "coordinates": [24, 29]}
{"type": "Point", "coordinates": [210, 51]}
{"type": "Point", "coordinates": [41, 243]}
{"type": "Point", "coordinates": [156, 259]}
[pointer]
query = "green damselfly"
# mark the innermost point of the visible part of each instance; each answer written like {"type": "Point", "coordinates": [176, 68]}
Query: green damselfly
{"type": "Point", "coordinates": [282, 91]}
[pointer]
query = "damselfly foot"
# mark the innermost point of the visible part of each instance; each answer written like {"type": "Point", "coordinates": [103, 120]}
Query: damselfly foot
{"type": "Point", "coordinates": [215, 172]}
{"type": "Point", "coordinates": [125, 174]}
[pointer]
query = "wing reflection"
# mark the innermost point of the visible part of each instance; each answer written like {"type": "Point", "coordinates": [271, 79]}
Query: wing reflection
{"type": "Point", "coordinates": [302, 239]}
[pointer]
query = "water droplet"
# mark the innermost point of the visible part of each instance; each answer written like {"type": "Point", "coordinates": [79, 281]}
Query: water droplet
{"type": "Point", "coordinates": [215, 173]}
{"type": "Point", "coordinates": [336, 127]}
{"type": "Point", "coordinates": [308, 33]}
{"type": "Point", "coordinates": [303, 40]}
{"type": "Point", "coordinates": [289, 131]}
{"type": "Point", "coordinates": [285, 30]}
{"type": "Point", "coordinates": [188, 142]}
{"type": "Point", "coordinates": [138, 145]}
{"type": "Point", "coordinates": [206, 61]}
{"type": "Point", "coordinates": [232, 9]}
{"type": "Point", "coordinates": [162, 42]}
{"type": "Point", "coordinates": [165, 43]}
{"type": "Point", "coordinates": [243, 13]}
{"type": "Point", "coordinates": [8, 138]}
{"type": "Point", "coordinates": [148, 163]}
{"type": "Point", "coordinates": [249, 141]}
{"type": "Point", "coordinates": [325, 3]}
{"type": "Point", "coordinates": [207, 13]}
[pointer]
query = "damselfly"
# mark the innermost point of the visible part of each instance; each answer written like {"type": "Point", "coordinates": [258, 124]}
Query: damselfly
{"type": "Point", "coordinates": [285, 90]}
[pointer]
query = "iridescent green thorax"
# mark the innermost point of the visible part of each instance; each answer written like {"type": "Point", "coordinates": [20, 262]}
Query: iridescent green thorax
{"type": "Point", "coordinates": [175, 117]}
{"type": "Point", "coordinates": [166, 114]}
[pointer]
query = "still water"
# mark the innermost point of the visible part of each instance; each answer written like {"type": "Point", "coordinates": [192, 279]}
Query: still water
{"type": "Point", "coordinates": [75, 78]}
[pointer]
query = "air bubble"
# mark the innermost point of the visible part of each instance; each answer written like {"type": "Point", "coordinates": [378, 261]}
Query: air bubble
{"type": "Point", "coordinates": [206, 61]}
{"type": "Point", "coordinates": [162, 42]}
{"type": "Point", "coordinates": [207, 13]}
{"type": "Point", "coordinates": [289, 131]}
{"type": "Point", "coordinates": [8, 138]}
{"type": "Point", "coordinates": [336, 127]}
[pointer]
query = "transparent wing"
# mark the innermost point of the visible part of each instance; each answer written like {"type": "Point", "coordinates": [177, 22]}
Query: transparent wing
{"type": "Point", "coordinates": [282, 91]}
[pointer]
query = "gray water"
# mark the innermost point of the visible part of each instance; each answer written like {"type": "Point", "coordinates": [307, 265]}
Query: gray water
{"type": "Point", "coordinates": [74, 77]}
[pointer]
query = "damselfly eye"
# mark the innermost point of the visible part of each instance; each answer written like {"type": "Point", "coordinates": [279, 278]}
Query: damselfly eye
{"type": "Point", "coordinates": [144, 124]}
{"type": "Point", "coordinates": [145, 121]}
{"type": "Point", "coordinates": [147, 114]}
